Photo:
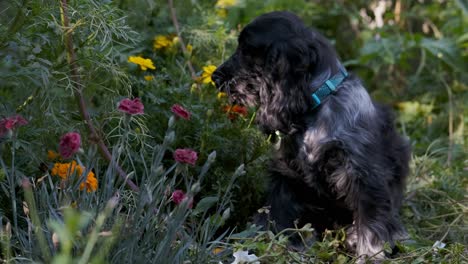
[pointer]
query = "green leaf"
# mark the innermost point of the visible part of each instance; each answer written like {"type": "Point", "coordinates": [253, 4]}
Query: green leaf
{"type": "Point", "coordinates": [205, 204]}
{"type": "Point", "coordinates": [246, 233]}
{"type": "Point", "coordinates": [341, 259]}
{"type": "Point", "coordinates": [446, 50]}
{"type": "Point", "coordinates": [463, 5]}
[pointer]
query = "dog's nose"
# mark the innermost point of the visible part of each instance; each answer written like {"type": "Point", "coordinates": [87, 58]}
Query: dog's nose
{"type": "Point", "coordinates": [217, 79]}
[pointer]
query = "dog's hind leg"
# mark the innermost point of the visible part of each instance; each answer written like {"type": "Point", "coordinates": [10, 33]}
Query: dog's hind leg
{"type": "Point", "coordinates": [375, 221]}
{"type": "Point", "coordinates": [370, 200]}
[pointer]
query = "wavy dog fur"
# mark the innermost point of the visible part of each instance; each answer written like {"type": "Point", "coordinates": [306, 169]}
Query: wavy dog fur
{"type": "Point", "coordinates": [341, 164]}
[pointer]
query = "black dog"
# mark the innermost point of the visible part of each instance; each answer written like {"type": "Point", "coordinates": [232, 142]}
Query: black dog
{"type": "Point", "coordinates": [340, 161]}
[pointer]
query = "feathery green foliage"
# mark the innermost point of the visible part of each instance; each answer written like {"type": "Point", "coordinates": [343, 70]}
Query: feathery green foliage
{"type": "Point", "coordinates": [412, 55]}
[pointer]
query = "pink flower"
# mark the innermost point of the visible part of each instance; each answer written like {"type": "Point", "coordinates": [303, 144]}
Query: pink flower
{"type": "Point", "coordinates": [186, 156]}
{"type": "Point", "coordinates": [10, 123]}
{"type": "Point", "coordinates": [69, 144]}
{"type": "Point", "coordinates": [132, 107]}
{"type": "Point", "coordinates": [178, 196]}
{"type": "Point", "coordinates": [180, 111]}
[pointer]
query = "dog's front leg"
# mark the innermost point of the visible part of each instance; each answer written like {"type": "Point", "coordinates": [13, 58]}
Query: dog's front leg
{"type": "Point", "coordinates": [285, 208]}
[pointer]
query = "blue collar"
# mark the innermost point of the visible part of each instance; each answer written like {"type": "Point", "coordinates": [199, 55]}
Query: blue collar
{"type": "Point", "coordinates": [330, 86]}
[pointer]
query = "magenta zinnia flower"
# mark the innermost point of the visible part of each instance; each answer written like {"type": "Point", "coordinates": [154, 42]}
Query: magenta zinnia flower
{"type": "Point", "coordinates": [69, 144]}
{"type": "Point", "coordinates": [188, 156]}
{"type": "Point", "coordinates": [178, 196]}
{"type": "Point", "coordinates": [10, 123]}
{"type": "Point", "coordinates": [132, 107]}
{"type": "Point", "coordinates": [180, 111]}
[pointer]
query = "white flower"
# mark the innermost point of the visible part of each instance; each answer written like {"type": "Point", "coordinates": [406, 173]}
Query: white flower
{"type": "Point", "coordinates": [242, 257]}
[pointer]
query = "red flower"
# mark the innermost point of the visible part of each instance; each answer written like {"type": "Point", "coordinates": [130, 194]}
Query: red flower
{"type": "Point", "coordinates": [69, 144]}
{"type": "Point", "coordinates": [185, 156]}
{"type": "Point", "coordinates": [132, 107]}
{"type": "Point", "coordinates": [180, 111]}
{"type": "Point", "coordinates": [178, 196]}
{"type": "Point", "coordinates": [10, 123]}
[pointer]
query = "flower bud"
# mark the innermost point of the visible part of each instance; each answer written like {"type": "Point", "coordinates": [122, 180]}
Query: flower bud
{"type": "Point", "coordinates": [55, 240]}
{"type": "Point", "coordinates": [240, 170]}
{"type": "Point", "coordinates": [169, 138]}
{"type": "Point", "coordinates": [8, 230]}
{"type": "Point", "coordinates": [112, 203]}
{"type": "Point", "coordinates": [171, 122]}
{"type": "Point", "coordinates": [194, 88]}
{"type": "Point", "coordinates": [211, 157]}
{"type": "Point", "coordinates": [226, 214]}
{"type": "Point", "coordinates": [195, 187]}
{"type": "Point", "coordinates": [159, 171]}
{"type": "Point", "coordinates": [25, 208]}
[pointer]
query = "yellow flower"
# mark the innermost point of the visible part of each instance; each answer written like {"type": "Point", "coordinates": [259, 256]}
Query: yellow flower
{"type": "Point", "coordinates": [142, 62]}
{"type": "Point", "coordinates": [207, 72]}
{"type": "Point", "coordinates": [226, 3]}
{"type": "Point", "coordinates": [221, 12]}
{"type": "Point", "coordinates": [217, 250]}
{"type": "Point", "coordinates": [189, 48]}
{"type": "Point", "coordinates": [164, 42]}
{"type": "Point", "coordinates": [222, 95]}
{"type": "Point", "coordinates": [52, 155]}
{"type": "Point", "coordinates": [149, 77]}
{"type": "Point", "coordinates": [90, 184]}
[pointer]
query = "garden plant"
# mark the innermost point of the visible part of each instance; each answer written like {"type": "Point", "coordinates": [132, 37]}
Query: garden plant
{"type": "Point", "coordinates": [116, 147]}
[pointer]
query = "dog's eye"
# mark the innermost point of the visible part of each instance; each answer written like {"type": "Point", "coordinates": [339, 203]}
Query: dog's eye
{"type": "Point", "coordinates": [250, 50]}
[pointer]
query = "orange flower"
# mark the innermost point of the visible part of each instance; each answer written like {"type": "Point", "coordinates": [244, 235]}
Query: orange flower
{"type": "Point", "coordinates": [64, 170]}
{"type": "Point", "coordinates": [217, 250]}
{"type": "Point", "coordinates": [90, 184]}
{"type": "Point", "coordinates": [241, 110]}
{"type": "Point", "coordinates": [52, 155]}
{"type": "Point", "coordinates": [235, 110]}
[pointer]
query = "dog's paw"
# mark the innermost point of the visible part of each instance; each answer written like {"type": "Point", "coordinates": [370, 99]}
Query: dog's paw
{"type": "Point", "coordinates": [351, 239]}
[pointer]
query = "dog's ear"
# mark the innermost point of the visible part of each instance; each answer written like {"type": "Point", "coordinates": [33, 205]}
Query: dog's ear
{"type": "Point", "coordinates": [285, 99]}
{"type": "Point", "coordinates": [291, 65]}
{"type": "Point", "coordinates": [309, 54]}
{"type": "Point", "coordinates": [290, 58]}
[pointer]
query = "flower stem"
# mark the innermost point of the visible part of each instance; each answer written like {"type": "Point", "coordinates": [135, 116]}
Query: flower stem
{"type": "Point", "coordinates": [179, 35]}
{"type": "Point", "coordinates": [36, 222]}
{"type": "Point", "coordinates": [12, 183]}
{"type": "Point", "coordinates": [78, 92]}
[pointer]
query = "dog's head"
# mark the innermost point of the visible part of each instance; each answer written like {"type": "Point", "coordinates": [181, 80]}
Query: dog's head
{"type": "Point", "coordinates": [275, 66]}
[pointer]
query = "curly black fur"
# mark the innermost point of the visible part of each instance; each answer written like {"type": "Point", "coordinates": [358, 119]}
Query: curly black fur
{"type": "Point", "coordinates": [341, 164]}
